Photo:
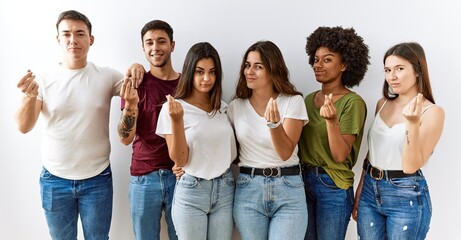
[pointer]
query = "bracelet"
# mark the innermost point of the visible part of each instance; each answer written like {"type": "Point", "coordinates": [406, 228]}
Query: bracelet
{"type": "Point", "coordinates": [332, 125]}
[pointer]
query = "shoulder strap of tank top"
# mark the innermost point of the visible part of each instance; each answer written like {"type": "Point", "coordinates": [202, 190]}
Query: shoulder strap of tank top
{"type": "Point", "coordinates": [427, 107]}
{"type": "Point", "coordinates": [382, 106]}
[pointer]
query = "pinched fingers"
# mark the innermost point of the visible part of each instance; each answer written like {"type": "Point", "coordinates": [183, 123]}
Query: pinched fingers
{"type": "Point", "coordinates": [128, 91]}
{"type": "Point", "coordinates": [328, 110]}
{"type": "Point", "coordinates": [175, 108]}
{"type": "Point", "coordinates": [272, 113]}
{"type": "Point", "coordinates": [413, 110]}
{"type": "Point", "coordinates": [28, 85]}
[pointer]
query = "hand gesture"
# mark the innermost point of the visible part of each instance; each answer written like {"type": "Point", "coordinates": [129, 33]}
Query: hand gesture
{"type": "Point", "coordinates": [177, 171]}
{"type": "Point", "coordinates": [28, 85]}
{"type": "Point", "coordinates": [413, 110]}
{"type": "Point", "coordinates": [176, 110]}
{"type": "Point", "coordinates": [129, 92]}
{"type": "Point", "coordinates": [135, 73]}
{"type": "Point", "coordinates": [272, 111]}
{"type": "Point", "coordinates": [328, 110]}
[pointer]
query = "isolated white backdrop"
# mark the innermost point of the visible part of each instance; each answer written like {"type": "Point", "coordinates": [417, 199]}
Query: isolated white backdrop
{"type": "Point", "coordinates": [28, 42]}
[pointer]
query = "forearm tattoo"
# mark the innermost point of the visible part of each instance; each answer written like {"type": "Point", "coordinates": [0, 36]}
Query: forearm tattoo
{"type": "Point", "coordinates": [127, 122]}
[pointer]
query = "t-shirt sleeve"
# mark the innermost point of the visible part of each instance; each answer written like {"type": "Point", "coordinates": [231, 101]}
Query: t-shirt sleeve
{"type": "Point", "coordinates": [117, 79]}
{"type": "Point", "coordinates": [230, 112]}
{"type": "Point", "coordinates": [353, 116]}
{"type": "Point", "coordinates": [297, 109]}
{"type": "Point", "coordinates": [164, 122]}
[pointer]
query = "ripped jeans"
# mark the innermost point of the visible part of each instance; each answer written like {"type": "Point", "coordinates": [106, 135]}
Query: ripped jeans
{"type": "Point", "coordinates": [394, 208]}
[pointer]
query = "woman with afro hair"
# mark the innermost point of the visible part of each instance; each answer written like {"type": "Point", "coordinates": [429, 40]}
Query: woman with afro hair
{"type": "Point", "coordinates": [330, 142]}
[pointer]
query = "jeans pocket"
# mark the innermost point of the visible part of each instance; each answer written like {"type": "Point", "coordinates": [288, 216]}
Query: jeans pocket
{"type": "Point", "coordinates": [45, 174]}
{"type": "Point", "coordinates": [242, 180]}
{"type": "Point", "coordinates": [428, 197]}
{"type": "Point", "coordinates": [326, 180]}
{"type": "Point", "coordinates": [137, 179]}
{"type": "Point", "coordinates": [293, 181]}
{"type": "Point", "coordinates": [187, 181]}
{"type": "Point", "coordinates": [404, 183]}
{"type": "Point", "coordinates": [229, 179]}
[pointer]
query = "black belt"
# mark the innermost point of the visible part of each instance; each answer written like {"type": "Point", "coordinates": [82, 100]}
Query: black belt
{"type": "Point", "coordinates": [379, 174]}
{"type": "Point", "coordinates": [312, 169]}
{"type": "Point", "coordinates": [272, 172]}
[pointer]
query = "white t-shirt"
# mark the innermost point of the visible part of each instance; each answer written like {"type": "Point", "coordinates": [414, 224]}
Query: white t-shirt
{"type": "Point", "coordinates": [211, 140]}
{"type": "Point", "coordinates": [255, 144]}
{"type": "Point", "coordinates": [76, 106]}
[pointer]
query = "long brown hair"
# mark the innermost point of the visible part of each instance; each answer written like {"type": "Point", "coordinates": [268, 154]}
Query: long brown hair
{"type": "Point", "coordinates": [185, 86]}
{"type": "Point", "coordinates": [272, 59]}
{"type": "Point", "coordinates": [414, 53]}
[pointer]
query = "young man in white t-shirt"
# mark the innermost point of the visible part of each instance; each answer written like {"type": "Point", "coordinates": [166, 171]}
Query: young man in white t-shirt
{"type": "Point", "coordinates": [74, 98]}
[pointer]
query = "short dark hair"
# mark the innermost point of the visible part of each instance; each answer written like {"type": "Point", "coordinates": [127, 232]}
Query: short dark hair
{"type": "Point", "coordinates": [73, 15]}
{"type": "Point", "coordinates": [413, 53]}
{"type": "Point", "coordinates": [185, 86]}
{"type": "Point", "coordinates": [346, 42]}
{"type": "Point", "coordinates": [158, 25]}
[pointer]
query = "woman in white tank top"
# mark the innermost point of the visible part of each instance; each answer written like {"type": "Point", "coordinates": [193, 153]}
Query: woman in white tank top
{"type": "Point", "coordinates": [392, 199]}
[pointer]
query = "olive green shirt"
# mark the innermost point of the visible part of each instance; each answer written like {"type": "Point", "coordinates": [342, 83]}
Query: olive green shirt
{"type": "Point", "coordinates": [314, 149]}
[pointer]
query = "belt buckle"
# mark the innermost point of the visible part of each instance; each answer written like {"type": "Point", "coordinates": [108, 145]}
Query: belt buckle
{"type": "Point", "coordinates": [380, 175]}
{"type": "Point", "coordinates": [271, 173]}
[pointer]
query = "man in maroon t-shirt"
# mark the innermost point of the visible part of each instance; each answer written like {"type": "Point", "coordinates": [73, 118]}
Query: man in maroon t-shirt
{"type": "Point", "coordinates": [152, 180]}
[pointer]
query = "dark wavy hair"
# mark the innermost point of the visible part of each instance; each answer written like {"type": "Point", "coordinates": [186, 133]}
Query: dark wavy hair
{"type": "Point", "coordinates": [350, 46]}
{"type": "Point", "coordinates": [185, 86]}
{"type": "Point", "coordinates": [272, 60]}
{"type": "Point", "coordinates": [73, 15]}
{"type": "Point", "coordinates": [413, 53]}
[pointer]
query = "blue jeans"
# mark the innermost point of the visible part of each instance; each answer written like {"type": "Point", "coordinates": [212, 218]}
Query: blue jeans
{"type": "Point", "coordinates": [329, 207]}
{"type": "Point", "coordinates": [202, 209]}
{"type": "Point", "coordinates": [395, 208]}
{"type": "Point", "coordinates": [64, 200]}
{"type": "Point", "coordinates": [270, 207]}
{"type": "Point", "coordinates": [150, 194]}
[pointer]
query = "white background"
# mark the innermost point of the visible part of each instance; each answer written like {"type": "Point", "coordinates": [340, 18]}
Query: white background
{"type": "Point", "coordinates": [28, 42]}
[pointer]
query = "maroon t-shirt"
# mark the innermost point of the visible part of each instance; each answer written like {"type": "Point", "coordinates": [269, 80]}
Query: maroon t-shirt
{"type": "Point", "coordinates": [150, 151]}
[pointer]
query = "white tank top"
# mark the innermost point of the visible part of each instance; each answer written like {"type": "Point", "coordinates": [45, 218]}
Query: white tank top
{"type": "Point", "coordinates": [385, 143]}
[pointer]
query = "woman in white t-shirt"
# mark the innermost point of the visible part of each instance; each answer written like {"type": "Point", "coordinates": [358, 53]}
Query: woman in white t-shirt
{"type": "Point", "coordinates": [268, 115]}
{"type": "Point", "coordinates": [392, 199]}
{"type": "Point", "coordinates": [201, 140]}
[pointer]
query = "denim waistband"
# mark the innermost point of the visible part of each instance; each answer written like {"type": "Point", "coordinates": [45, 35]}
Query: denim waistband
{"type": "Point", "coordinates": [313, 169]}
{"type": "Point", "coordinates": [216, 178]}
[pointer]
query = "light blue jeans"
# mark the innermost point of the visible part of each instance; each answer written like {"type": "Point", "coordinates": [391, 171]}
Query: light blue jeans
{"type": "Point", "coordinates": [270, 207]}
{"type": "Point", "coordinates": [64, 200]}
{"type": "Point", "coordinates": [329, 207]}
{"type": "Point", "coordinates": [150, 194]}
{"type": "Point", "coordinates": [395, 208]}
{"type": "Point", "coordinates": [202, 209]}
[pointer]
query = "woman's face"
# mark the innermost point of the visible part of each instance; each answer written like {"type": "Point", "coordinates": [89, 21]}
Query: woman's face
{"type": "Point", "coordinates": [204, 75]}
{"type": "Point", "coordinates": [328, 65]}
{"type": "Point", "coordinates": [255, 72]}
{"type": "Point", "coordinates": [400, 75]}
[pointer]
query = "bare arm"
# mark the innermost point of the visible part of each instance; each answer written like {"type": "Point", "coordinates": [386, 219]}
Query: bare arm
{"type": "Point", "coordinates": [29, 110]}
{"type": "Point", "coordinates": [177, 145]}
{"type": "Point", "coordinates": [340, 145]}
{"type": "Point", "coordinates": [127, 125]}
{"type": "Point", "coordinates": [285, 137]}
{"type": "Point", "coordinates": [423, 134]}
{"type": "Point", "coordinates": [358, 193]}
